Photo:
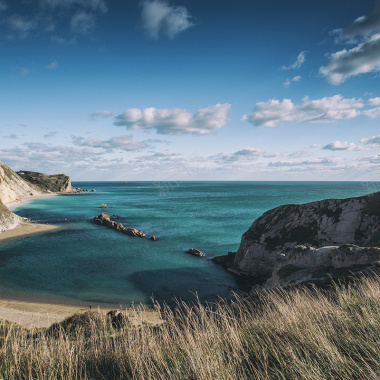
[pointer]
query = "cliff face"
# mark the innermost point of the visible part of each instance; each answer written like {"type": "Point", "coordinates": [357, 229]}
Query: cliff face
{"type": "Point", "coordinates": [57, 183]}
{"type": "Point", "coordinates": [15, 186]}
{"type": "Point", "coordinates": [8, 220]}
{"type": "Point", "coordinates": [12, 186]}
{"type": "Point", "coordinates": [293, 243]}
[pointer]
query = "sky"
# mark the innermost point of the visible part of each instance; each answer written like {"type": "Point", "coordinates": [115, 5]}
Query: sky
{"type": "Point", "coordinates": [189, 90]}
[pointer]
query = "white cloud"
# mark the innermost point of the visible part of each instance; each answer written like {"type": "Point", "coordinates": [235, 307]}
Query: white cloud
{"type": "Point", "coordinates": [301, 58]}
{"type": "Point", "coordinates": [364, 25]}
{"type": "Point", "coordinates": [288, 82]}
{"type": "Point", "coordinates": [363, 58]}
{"type": "Point", "coordinates": [53, 65]}
{"type": "Point", "coordinates": [126, 143]}
{"type": "Point", "coordinates": [160, 18]}
{"type": "Point", "coordinates": [325, 110]}
{"type": "Point", "coordinates": [371, 140]}
{"type": "Point", "coordinates": [175, 121]}
{"type": "Point", "coordinates": [340, 145]}
{"type": "Point", "coordinates": [104, 113]}
{"type": "Point", "coordinates": [373, 113]}
{"type": "Point", "coordinates": [374, 101]}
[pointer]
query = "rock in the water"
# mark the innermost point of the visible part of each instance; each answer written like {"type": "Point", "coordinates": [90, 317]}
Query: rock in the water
{"type": "Point", "coordinates": [93, 191]}
{"type": "Point", "coordinates": [290, 243]}
{"type": "Point", "coordinates": [154, 238]}
{"type": "Point", "coordinates": [195, 252]}
{"type": "Point", "coordinates": [104, 219]}
{"type": "Point", "coordinates": [103, 205]}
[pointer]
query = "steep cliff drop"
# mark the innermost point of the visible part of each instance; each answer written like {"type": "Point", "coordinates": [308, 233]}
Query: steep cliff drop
{"type": "Point", "coordinates": [16, 186]}
{"type": "Point", "coordinates": [292, 244]}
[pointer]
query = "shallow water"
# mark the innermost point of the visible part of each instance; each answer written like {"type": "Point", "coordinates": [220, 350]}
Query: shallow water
{"type": "Point", "coordinates": [83, 263]}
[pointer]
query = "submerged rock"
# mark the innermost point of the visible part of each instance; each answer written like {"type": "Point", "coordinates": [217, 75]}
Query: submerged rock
{"type": "Point", "coordinates": [154, 238]}
{"type": "Point", "coordinates": [104, 219]}
{"type": "Point", "coordinates": [195, 252]}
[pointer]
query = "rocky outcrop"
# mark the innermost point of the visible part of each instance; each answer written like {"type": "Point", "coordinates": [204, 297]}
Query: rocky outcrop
{"type": "Point", "coordinates": [16, 186]}
{"type": "Point", "coordinates": [12, 186]}
{"type": "Point", "coordinates": [56, 183]}
{"type": "Point", "coordinates": [295, 243]}
{"type": "Point", "coordinates": [104, 219]}
{"type": "Point", "coordinates": [8, 220]}
{"type": "Point", "coordinates": [195, 252]}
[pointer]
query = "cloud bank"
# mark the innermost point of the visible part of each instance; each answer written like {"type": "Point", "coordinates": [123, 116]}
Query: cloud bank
{"type": "Point", "coordinates": [175, 121]}
{"type": "Point", "coordinates": [326, 110]}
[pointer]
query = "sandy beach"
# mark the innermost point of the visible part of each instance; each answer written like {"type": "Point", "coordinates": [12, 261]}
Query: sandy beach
{"type": "Point", "coordinates": [38, 315]}
{"type": "Point", "coordinates": [24, 229]}
{"type": "Point", "coordinates": [15, 203]}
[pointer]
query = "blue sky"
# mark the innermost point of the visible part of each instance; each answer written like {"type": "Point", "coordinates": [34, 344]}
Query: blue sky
{"type": "Point", "coordinates": [190, 89]}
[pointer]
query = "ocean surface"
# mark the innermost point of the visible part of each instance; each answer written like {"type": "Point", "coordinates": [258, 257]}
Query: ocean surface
{"type": "Point", "coordinates": [82, 263]}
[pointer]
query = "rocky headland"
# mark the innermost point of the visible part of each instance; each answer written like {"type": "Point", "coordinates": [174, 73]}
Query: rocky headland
{"type": "Point", "coordinates": [25, 184]}
{"type": "Point", "coordinates": [292, 244]}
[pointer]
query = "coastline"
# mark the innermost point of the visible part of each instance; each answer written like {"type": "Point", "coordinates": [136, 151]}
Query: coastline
{"type": "Point", "coordinates": [16, 202]}
{"type": "Point", "coordinates": [26, 228]}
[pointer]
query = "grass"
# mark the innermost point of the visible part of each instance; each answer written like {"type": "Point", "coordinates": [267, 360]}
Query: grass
{"type": "Point", "coordinates": [299, 333]}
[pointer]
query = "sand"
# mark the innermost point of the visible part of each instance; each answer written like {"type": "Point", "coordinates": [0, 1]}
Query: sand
{"type": "Point", "coordinates": [24, 229]}
{"type": "Point", "coordinates": [38, 315]}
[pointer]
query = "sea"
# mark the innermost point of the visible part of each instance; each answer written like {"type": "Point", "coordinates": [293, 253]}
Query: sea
{"type": "Point", "coordinates": [82, 263]}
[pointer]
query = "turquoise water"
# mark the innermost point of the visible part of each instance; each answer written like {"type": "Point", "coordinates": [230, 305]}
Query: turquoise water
{"type": "Point", "coordinates": [82, 263]}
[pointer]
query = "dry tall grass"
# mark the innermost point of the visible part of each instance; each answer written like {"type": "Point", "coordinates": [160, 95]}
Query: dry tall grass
{"type": "Point", "coordinates": [301, 333]}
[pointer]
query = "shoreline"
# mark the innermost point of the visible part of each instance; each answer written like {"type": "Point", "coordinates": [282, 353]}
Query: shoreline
{"type": "Point", "coordinates": [12, 205]}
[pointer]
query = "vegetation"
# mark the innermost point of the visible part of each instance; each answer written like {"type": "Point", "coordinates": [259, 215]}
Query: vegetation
{"type": "Point", "coordinates": [299, 333]}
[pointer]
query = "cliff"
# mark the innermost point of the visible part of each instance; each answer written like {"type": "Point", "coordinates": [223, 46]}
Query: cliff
{"type": "Point", "coordinates": [295, 243]}
{"type": "Point", "coordinates": [16, 186]}
{"type": "Point", "coordinates": [57, 183]}
{"type": "Point", "coordinates": [12, 186]}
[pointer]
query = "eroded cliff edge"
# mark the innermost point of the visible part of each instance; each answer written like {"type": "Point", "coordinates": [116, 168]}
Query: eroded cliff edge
{"type": "Point", "coordinates": [295, 243]}
{"type": "Point", "coordinates": [16, 186]}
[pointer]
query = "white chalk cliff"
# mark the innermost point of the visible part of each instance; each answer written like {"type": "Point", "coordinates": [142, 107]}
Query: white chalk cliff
{"type": "Point", "coordinates": [295, 243]}
{"type": "Point", "coordinates": [14, 187]}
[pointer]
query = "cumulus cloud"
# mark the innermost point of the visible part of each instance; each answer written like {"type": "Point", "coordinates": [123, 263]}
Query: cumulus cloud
{"type": "Point", "coordinates": [104, 113]}
{"type": "Point", "coordinates": [374, 101]}
{"type": "Point", "coordinates": [326, 110]}
{"type": "Point", "coordinates": [301, 58]}
{"type": "Point", "coordinates": [175, 121]}
{"type": "Point", "coordinates": [340, 145]}
{"type": "Point", "coordinates": [371, 140]}
{"type": "Point", "coordinates": [364, 25]}
{"type": "Point", "coordinates": [364, 58]}
{"type": "Point", "coordinates": [373, 113]}
{"type": "Point", "coordinates": [161, 18]}
{"type": "Point", "coordinates": [126, 143]}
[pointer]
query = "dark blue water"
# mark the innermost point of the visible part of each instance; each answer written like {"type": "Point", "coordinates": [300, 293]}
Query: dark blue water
{"type": "Point", "coordinates": [83, 263]}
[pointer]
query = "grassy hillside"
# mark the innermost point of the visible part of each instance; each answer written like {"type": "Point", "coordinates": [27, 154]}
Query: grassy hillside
{"type": "Point", "coordinates": [301, 333]}
{"type": "Point", "coordinates": [43, 182]}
